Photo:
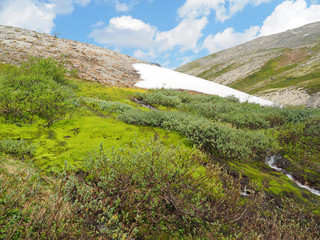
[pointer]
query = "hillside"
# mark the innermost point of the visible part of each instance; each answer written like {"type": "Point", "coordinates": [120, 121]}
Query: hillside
{"type": "Point", "coordinates": [88, 150]}
{"type": "Point", "coordinates": [283, 68]}
{"type": "Point", "coordinates": [88, 61]}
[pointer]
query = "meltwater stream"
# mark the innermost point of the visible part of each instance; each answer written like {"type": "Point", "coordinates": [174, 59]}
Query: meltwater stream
{"type": "Point", "coordinates": [270, 161]}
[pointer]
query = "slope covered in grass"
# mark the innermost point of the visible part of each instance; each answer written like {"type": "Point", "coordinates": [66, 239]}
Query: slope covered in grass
{"type": "Point", "coordinates": [126, 163]}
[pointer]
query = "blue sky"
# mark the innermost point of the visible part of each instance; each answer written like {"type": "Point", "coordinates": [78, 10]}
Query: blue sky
{"type": "Point", "coordinates": [168, 32]}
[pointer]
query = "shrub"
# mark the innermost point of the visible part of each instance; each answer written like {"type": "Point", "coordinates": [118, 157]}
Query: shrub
{"type": "Point", "coordinates": [161, 191]}
{"type": "Point", "coordinates": [222, 140]}
{"type": "Point", "coordinates": [29, 94]}
{"type": "Point", "coordinates": [107, 106]}
{"type": "Point", "coordinates": [157, 97]}
{"type": "Point", "coordinates": [47, 67]}
{"type": "Point", "coordinates": [240, 115]}
{"type": "Point", "coordinates": [19, 148]}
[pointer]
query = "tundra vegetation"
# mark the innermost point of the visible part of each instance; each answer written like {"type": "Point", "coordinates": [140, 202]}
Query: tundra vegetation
{"type": "Point", "coordinates": [80, 160]}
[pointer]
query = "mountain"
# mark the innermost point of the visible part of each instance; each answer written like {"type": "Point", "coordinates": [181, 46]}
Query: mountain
{"type": "Point", "coordinates": [88, 152]}
{"type": "Point", "coordinates": [283, 67]}
{"type": "Point", "coordinates": [88, 61]}
{"type": "Point", "coordinates": [100, 64]}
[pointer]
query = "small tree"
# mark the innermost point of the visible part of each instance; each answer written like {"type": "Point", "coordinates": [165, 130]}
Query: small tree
{"type": "Point", "coordinates": [36, 91]}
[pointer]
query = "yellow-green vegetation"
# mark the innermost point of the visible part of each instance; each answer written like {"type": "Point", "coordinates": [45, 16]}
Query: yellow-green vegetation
{"type": "Point", "coordinates": [211, 73]}
{"type": "Point", "coordinates": [70, 140]}
{"type": "Point", "coordinates": [281, 72]}
{"type": "Point", "coordinates": [94, 164]}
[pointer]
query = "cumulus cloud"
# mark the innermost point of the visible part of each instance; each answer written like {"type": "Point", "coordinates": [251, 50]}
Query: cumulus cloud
{"type": "Point", "coordinates": [36, 15]}
{"type": "Point", "coordinates": [186, 35]}
{"type": "Point", "coordinates": [128, 32]}
{"type": "Point", "coordinates": [125, 32]}
{"type": "Point", "coordinates": [27, 14]}
{"type": "Point", "coordinates": [287, 15]}
{"type": "Point", "coordinates": [290, 14]}
{"type": "Point", "coordinates": [229, 38]}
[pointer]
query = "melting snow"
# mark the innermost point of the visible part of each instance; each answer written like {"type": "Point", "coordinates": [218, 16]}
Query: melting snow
{"type": "Point", "coordinates": [158, 77]}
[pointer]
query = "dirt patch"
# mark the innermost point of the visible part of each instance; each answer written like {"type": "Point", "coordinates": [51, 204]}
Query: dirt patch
{"type": "Point", "coordinates": [292, 56]}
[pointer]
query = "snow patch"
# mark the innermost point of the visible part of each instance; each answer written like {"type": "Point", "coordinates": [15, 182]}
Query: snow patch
{"type": "Point", "coordinates": [158, 77]}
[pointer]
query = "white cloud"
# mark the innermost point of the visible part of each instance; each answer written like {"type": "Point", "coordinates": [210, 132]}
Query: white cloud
{"type": "Point", "coordinates": [287, 15]}
{"type": "Point", "coordinates": [290, 14]}
{"type": "Point", "coordinates": [185, 35]}
{"type": "Point", "coordinates": [125, 32]}
{"type": "Point", "coordinates": [222, 8]}
{"type": "Point", "coordinates": [67, 6]}
{"type": "Point", "coordinates": [62, 6]}
{"type": "Point", "coordinates": [82, 3]}
{"type": "Point", "coordinates": [198, 8]}
{"type": "Point", "coordinates": [229, 38]}
{"type": "Point", "coordinates": [36, 15]}
{"type": "Point", "coordinates": [146, 55]}
{"type": "Point", "coordinates": [28, 14]}
{"type": "Point", "coordinates": [122, 7]}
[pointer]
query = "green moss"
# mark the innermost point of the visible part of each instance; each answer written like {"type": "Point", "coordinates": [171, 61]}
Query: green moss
{"type": "Point", "coordinates": [274, 183]}
{"type": "Point", "coordinates": [70, 140]}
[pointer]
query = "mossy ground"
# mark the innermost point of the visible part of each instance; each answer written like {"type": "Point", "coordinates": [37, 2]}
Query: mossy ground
{"type": "Point", "coordinates": [149, 182]}
{"type": "Point", "coordinates": [277, 184]}
{"type": "Point", "coordinates": [70, 140]}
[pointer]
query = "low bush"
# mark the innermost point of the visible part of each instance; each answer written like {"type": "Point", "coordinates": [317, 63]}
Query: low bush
{"type": "Point", "coordinates": [143, 191]}
{"type": "Point", "coordinates": [19, 148]}
{"type": "Point", "coordinates": [216, 138]}
{"type": "Point", "coordinates": [35, 91]}
{"type": "Point", "coordinates": [157, 97]}
{"type": "Point", "coordinates": [107, 106]}
{"type": "Point", "coordinates": [240, 115]}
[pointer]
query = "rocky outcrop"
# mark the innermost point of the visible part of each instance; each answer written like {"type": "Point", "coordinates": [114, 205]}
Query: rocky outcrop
{"type": "Point", "coordinates": [90, 62]}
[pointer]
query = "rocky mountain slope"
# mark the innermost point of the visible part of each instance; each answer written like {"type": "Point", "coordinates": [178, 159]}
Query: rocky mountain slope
{"type": "Point", "coordinates": [89, 61]}
{"type": "Point", "coordinates": [283, 67]}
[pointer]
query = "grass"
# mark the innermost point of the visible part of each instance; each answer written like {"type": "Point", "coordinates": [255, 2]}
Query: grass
{"type": "Point", "coordinates": [212, 73]}
{"type": "Point", "coordinates": [280, 72]}
{"type": "Point", "coordinates": [266, 73]}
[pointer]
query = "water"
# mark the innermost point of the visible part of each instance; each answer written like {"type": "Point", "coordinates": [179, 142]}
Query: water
{"type": "Point", "coordinates": [245, 193]}
{"type": "Point", "coordinates": [270, 161]}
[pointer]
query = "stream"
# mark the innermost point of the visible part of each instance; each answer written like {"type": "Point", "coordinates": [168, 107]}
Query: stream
{"type": "Point", "coordinates": [270, 161]}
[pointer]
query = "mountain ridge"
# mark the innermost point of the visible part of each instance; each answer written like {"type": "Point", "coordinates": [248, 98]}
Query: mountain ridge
{"type": "Point", "coordinates": [275, 58]}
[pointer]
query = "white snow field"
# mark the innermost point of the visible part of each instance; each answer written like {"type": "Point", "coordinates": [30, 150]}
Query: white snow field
{"type": "Point", "coordinates": [157, 77]}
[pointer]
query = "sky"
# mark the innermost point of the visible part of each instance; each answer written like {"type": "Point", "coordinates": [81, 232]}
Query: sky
{"type": "Point", "coordinates": [168, 32]}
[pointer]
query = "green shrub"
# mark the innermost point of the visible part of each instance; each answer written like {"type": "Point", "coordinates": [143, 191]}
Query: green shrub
{"type": "Point", "coordinates": [157, 97]}
{"type": "Point", "coordinates": [215, 138]}
{"type": "Point", "coordinates": [107, 106]}
{"type": "Point", "coordinates": [161, 191]}
{"type": "Point", "coordinates": [29, 94]}
{"type": "Point", "coordinates": [19, 148]}
{"type": "Point", "coordinates": [240, 115]}
{"type": "Point", "coordinates": [48, 67]}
